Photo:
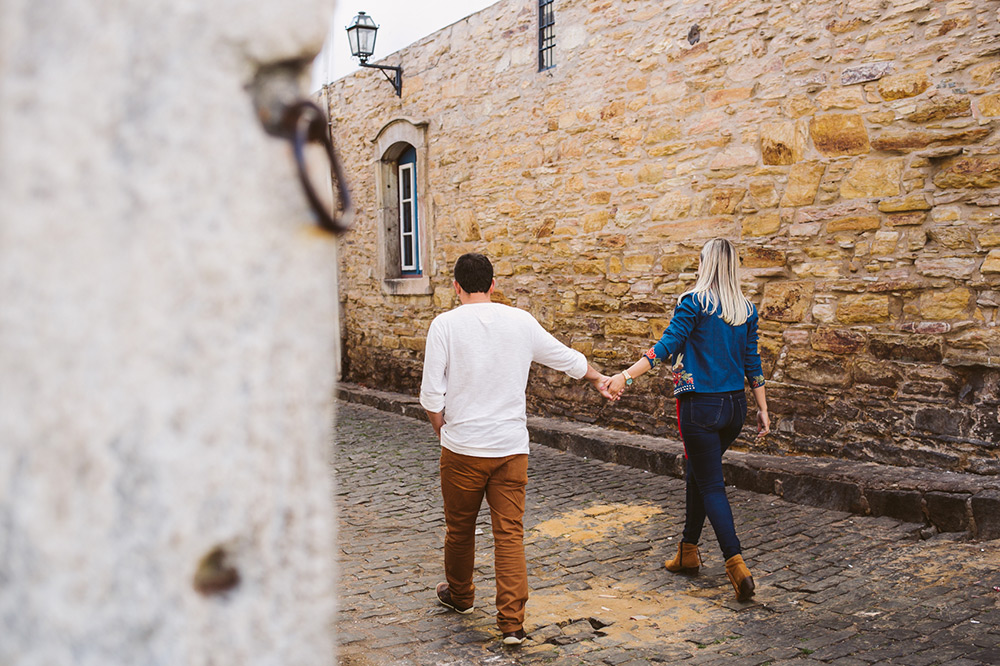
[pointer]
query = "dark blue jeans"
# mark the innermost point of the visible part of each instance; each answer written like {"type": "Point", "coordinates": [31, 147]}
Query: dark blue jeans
{"type": "Point", "coordinates": [709, 423]}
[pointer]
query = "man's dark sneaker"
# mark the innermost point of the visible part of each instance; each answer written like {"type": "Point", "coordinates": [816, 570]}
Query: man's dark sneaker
{"type": "Point", "coordinates": [444, 596]}
{"type": "Point", "coordinates": [514, 637]}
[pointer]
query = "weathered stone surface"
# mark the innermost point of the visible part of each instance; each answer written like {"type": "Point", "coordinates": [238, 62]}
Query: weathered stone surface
{"type": "Point", "coordinates": [948, 511]}
{"type": "Point", "coordinates": [839, 134]}
{"type": "Point", "coordinates": [762, 257]}
{"type": "Point", "coordinates": [939, 108]}
{"type": "Point", "coordinates": [948, 304]}
{"type": "Point", "coordinates": [873, 178]}
{"type": "Point", "coordinates": [902, 141]}
{"type": "Point", "coordinates": [786, 301]}
{"type": "Point", "coordinates": [863, 308]}
{"type": "Point", "coordinates": [898, 86]}
{"type": "Point", "coordinates": [818, 369]}
{"type": "Point", "coordinates": [953, 267]}
{"type": "Point", "coordinates": [992, 262]}
{"type": "Point", "coordinates": [854, 223]}
{"type": "Point", "coordinates": [777, 143]}
{"type": "Point", "coordinates": [726, 199]}
{"type": "Point", "coordinates": [837, 340]}
{"type": "Point", "coordinates": [922, 348]}
{"type": "Point", "coordinates": [989, 105]}
{"type": "Point", "coordinates": [907, 203]}
{"type": "Point", "coordinates": [966, 172]}
{"type": "Point", "coordinates": [734, 158]}
{"type": "Point", "coordinates": [803, 183]}
{"type": "Point", "coordinates": [986, 514]}
{"type": "Point", "coordinates": [762, 224]}
{"type": "Point", "coordinates": [717, 98]}
{"type": "Point", "coordinates": [871, 72]}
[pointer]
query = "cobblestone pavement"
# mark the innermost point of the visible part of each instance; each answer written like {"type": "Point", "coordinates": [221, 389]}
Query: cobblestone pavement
{"type": "Point", "coordinates": [832, 588]}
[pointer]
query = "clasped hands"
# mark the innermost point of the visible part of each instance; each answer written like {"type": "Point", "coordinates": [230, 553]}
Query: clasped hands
{"type": "Point", "coordinates": [610, 387]}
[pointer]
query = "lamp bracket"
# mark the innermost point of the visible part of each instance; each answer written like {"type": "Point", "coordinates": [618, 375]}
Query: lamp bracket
{"type": "Point", "coordinates": [396, 79]}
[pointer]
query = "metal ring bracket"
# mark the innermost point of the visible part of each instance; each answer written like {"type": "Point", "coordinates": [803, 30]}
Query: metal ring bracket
{"type": "Point", "coordinates": [304, 122]}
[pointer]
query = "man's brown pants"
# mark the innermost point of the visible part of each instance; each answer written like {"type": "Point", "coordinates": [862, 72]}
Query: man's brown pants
{"type": "Point", "coordinates": [464, 482]}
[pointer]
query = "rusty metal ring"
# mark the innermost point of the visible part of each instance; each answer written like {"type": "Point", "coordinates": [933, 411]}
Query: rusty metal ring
{"type": "Point", "coordinates": [305, 122]}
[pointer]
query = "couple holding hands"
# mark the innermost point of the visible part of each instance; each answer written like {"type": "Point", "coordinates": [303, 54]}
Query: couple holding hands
{"type": "Point", "coordinates": [476, 365]}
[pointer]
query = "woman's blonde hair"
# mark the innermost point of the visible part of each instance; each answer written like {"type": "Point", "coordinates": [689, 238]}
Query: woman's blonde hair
{"type": "Point", "coordinates": [718, 283]}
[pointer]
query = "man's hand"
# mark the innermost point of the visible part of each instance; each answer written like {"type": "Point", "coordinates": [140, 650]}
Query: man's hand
{"type": "Point", "coordinates": [600, 382]}
{"type": "Point", "coordinates": [437, 420]}
{"type": "Point", "coordinates": [616, 386]}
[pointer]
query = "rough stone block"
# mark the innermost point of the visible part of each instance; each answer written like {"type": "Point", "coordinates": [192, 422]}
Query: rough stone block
{"type": "Point", "coordinates": [777, 143]}
{"type": "Point", "coordinates": [906, 348]}
{"type": "Point", "coordinates": [906, 505]}
{"type": "Point", "coordinates": [762, 224]}
{"type": "Point", "coordinates": [965, 172]}
{"type": "Point", "coordinates": [939, 108]}
{"type": "Point", "coordinates": [992, 262]}
{"type": "Point", "coordinates": [989, 105]}
{"type": "Point", "coordinates": [817, 369]}
{"type": "Point", "coordinates": [899, 86]}
{"type": "Point", "coordinates": [838, 341]}
{"type": "Point", "coordinates": [863, 308]}
{"type": "Point", "coordinates": [839, 134]}
{"type": "Point", "coordinates": [803, 183]}
{"type": "Point", "coordinates": [910, 202]}
{"type": "Point", "coordinates": [950, 304]}
{"type": "Point", "coordinates": [854, 223]}
{"type": "Point", "coordinates": [821, 492]}
{"type": "Point", "coordinates": [986, 513]}
{"type": "Point", "coordinates": [873, 178]}
{"type": "Point", "coordinates": [947, 511]}
{"type": "Point", "coordinates": [786, 301]}
{"type": "Point", "coordinates": [871, 72]}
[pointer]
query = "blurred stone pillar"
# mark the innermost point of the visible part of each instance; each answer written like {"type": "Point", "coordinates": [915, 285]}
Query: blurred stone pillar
{"type": "Point", "coordinates": [168, 335]}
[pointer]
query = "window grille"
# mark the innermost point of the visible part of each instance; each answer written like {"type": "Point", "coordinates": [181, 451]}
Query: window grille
{"type": "Point", "coordinates": [409, 250]}
{"type": "Point", "coordinates": [546, 34]}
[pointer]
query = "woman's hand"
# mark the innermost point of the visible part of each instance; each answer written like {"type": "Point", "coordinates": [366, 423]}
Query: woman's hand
{"type": "Point", "coordinates": [763, 423]}
{"type": "Point", "coordinates": [600, 382]}
{"type": "Point", "coordinates": [616, 386]}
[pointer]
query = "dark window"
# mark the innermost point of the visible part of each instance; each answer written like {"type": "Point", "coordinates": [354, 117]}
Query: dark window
{"type": "Point", "coordinates": [546, 34]}
{"type": "Point", "coordinates": [409, 247]}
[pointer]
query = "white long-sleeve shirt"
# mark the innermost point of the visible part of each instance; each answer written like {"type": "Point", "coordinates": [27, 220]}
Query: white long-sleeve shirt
{"type": "Point", "coordinates": [476, 369]}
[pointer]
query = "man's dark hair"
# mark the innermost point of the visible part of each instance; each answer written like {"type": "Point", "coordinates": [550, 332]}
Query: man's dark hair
{"type": "Point", "coordinates": [474, 273]}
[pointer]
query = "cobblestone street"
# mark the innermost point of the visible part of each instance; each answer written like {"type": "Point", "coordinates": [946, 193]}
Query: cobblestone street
{"type": "Point", "coordinates": [831, 587]}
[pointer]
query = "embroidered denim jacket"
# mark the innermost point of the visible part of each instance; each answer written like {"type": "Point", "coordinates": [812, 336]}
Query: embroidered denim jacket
{"type": "Point", "coordinates": [707, 354]}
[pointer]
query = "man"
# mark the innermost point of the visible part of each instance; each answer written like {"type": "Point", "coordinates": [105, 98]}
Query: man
{"type": "Point", "coordinates": [475, 372]}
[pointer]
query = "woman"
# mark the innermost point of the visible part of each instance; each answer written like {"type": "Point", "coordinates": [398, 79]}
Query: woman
{"type": "Point", "coordinates": [712, 344]}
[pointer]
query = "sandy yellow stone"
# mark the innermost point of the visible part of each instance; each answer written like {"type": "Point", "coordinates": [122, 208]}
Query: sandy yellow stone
{"type": "Point", "coordinates": [725, 200]}
{"type": "Point", "coordinates": [786, 301]}
{"type": "Point", "coordinates": [640, 263]}
{"type": "Point", "coordinates": [777, 143]}
{"type": "Point", "coordinates": [850, 97]}
{"type": "Point", "coordinates": [595, 220]}
{"type": "Point", "coordinates": [950, 304]}
{"type": "Point", "coordinates": [803, 183]}
{"type": "Point", "coordinates": [863, 308]}
{"type": "Point", "coordinates": [651, 174]}
{"type": "Point", "coordinates": [906, 203]}
{"type": "Point", "coordinates": [671, 206]}
{"type": "Point", "coordinates": [854, 223]}
{"type": "Point", "coordinates": [762, 224]}
{"type": "Point", "coordinates": [838, 134]}
{"type": "Point", "coordinates": [992, 262]}
{"type": "Point", "coordinates": [873, 178]}
{"type": "Point", "coordinates": [899, 86]}
{"type": "Point", "coordinates": [989, 105]}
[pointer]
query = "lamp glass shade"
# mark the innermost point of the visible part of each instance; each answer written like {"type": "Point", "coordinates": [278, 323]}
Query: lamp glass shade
{"type": "Point", "coordinates": [361, 36]}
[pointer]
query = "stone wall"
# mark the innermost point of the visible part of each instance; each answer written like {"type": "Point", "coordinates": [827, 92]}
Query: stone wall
{"type": "Point", "coordinates": [850, 148]}
{"type": "Point", "coordinates": [168, 337]}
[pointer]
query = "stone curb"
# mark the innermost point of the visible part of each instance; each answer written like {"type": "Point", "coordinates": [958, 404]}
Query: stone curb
{"type": "Point", "coordinates": [948, 501]}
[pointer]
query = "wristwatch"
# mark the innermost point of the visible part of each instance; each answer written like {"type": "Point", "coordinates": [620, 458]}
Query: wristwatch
{"type": "Point", "coordinates": [628, 378]}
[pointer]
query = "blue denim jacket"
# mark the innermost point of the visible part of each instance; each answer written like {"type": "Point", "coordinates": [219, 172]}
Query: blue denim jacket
{"type": "Point", "coordinates": [707, 354]}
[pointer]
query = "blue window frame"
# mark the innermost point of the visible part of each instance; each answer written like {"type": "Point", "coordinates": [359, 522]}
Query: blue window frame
{"type": "Point", "coordinates": [409, 224]}
{"type": "Point", "coordinates": [546, 35]}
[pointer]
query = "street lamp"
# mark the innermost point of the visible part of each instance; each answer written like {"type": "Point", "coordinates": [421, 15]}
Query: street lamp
{"type": "Point", "coordinates": [361, 37]}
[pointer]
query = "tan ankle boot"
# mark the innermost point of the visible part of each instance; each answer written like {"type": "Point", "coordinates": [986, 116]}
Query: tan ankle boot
{"type": "Point", "coordinates": [740, 577]}
{"type": "Point", "coordinates": [687, 560]}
